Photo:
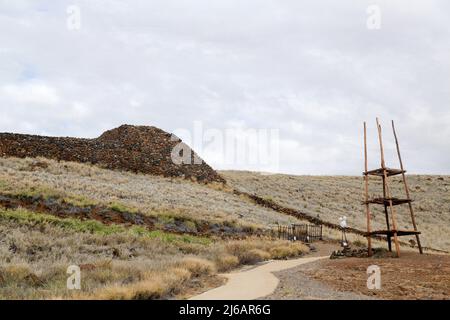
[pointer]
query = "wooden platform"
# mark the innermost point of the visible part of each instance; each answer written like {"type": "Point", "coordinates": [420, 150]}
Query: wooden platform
{"type": "Point", "coordinates": [380, 172]}
{"type": "Point", "coordinates": [391, 232]}
{"type": "Point", "coordinates": [387, 201]}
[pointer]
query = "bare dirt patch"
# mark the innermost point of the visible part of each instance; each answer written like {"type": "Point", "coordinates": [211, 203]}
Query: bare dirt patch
{"type": "Point", "coordinates": [295, 284]}
{"type": "Point", "coordinates": [412, 276]}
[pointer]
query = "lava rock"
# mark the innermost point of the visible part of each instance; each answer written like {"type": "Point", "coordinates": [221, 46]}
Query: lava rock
{"type": "Point", "coordinates": [141, 149]}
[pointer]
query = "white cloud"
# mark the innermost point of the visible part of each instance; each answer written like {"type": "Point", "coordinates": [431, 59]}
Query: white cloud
{"type": "Point", "coordinates": [30, 93]}
{"type": "Point", "coordinates": [310, 69]}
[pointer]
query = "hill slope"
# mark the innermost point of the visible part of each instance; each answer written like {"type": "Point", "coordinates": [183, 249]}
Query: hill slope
{"type": "Point", "coordinates": [134, 236]}
{"type": "Point", "coordinates": [330, 197]}
{"type": "Point", "coordinates": [146, 193]}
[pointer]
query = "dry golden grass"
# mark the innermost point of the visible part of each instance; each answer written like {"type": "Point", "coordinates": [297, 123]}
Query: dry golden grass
{"type": "Point", "coordinates": [226, 262]}
{"type": "Point", "coordinates": [197, 266]}
{"type": "Point", "coordinates": [329, 197]}
{"type": "Point", "coordinates": [248, 252]}
{"type": "Point", "coordinates": [34, 256]}
{"type": "Point", "coordinates": [154, 286]}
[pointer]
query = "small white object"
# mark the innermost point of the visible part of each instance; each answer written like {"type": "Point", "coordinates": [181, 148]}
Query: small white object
{"type": "Point", "coordinates": [343, 222]}
{"type": "Point", "coordinates": [74, 281]}
{"type": "Point", "coordinates": [374, 277]}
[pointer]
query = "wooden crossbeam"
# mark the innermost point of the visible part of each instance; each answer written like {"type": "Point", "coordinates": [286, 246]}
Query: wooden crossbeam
{"type": "Point", "coordinates": [386, 201]}
{"type": "Point", "coordinates": [391, 232]}
{"type": "Point", "coordinates": [380, 172]}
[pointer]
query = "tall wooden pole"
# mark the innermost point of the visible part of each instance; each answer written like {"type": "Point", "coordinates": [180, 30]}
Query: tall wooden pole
{"type": "Point", "coordinates": [406, 189]}
{"type": "Point", "coordinates": [386, 184]}
{"type": "Point", "coordinates": [387, 216]}
{"type": "Point", "coordinates": [366, 179]}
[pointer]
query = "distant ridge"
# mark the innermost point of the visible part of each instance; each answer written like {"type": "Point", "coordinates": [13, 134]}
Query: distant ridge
{"type": "Point", "coordinates": [143, 149]}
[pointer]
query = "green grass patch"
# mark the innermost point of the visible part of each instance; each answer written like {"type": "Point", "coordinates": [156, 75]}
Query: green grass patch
{"type": "Point", "coordinates": [165, 219]}
{"type": "Point", "coordinates": [40, 191]}
{"type": "Point", "coordinates": [119, 207]}
{"type": "Point", "coordinates": [95, 227]}
{"type": "Point", "coordinates": [191, 225]}
{"type": "Point", "coordinates": [169, 237]}
{"type": "Point", "coordinates": [47, 193]}
{"type": "Point", "coordinates": [31, 218]}
{"type": "Point", "coordinates": [79, 201]}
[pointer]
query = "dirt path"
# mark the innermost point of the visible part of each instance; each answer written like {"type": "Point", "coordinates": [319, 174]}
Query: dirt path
{"type": "Point", "coordinates": [412, 276]}
{"type": "Point", "coordinates": [298, 284]}
{"type": "Point", "coordinates": [255, 283]}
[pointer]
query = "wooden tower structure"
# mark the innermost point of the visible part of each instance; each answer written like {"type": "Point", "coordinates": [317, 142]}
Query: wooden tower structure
{"type": "Point", "coordinates": [388, 201]}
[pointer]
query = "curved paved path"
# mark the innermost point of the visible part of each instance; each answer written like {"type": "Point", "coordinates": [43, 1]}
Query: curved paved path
{"type": "Point", "coordinates": [254, 283]}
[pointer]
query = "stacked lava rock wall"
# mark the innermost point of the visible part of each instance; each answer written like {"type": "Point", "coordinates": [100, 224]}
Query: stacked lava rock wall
{"type": "Point", "coordinates": [133, 148]}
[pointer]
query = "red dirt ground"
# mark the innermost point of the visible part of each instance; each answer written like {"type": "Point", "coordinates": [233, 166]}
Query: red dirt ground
{"type": "Point", "coordinates": [412, 276]}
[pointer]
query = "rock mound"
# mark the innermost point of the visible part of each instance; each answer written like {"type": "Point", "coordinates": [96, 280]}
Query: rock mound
{"type": "Point", "coordinates": [132, 148]}
{"type": "Point", "coordinates": [361, 253]}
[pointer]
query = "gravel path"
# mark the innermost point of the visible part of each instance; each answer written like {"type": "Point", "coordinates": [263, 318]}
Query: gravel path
{"type": "Point", "coordinates": [296, 285]}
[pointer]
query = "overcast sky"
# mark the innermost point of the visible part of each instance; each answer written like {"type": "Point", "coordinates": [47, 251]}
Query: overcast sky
{"type": "Point", "coordinates": [311, 69]}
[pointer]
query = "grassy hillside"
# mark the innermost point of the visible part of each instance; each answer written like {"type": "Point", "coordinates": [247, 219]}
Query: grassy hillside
{"type": "Point", "coordinates": [138, 236]}
{"type": "Point", "coordinates": [116, 262]}
{"type": "Point", "coordinates": [68, 215]}
{"type": "Point", "coordinates": [146, 193]}
{"type": "Point", "coordinates": [330, 197]}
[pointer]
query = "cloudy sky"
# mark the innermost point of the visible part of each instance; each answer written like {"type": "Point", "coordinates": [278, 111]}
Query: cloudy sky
{"type": "Point", "coordinates": [313, 70]}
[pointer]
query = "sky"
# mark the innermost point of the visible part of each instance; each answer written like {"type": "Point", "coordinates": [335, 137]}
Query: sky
{"type": "Point", "coordinates": [303, 74]}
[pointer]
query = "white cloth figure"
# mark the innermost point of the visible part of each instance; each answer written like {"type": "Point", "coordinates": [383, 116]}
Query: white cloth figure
{"type": "Point", "coordinates": [343, 222]}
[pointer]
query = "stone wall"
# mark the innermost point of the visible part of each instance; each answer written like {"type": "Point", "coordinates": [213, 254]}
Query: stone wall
{"type": "Point", "coordinates": [131, 148]}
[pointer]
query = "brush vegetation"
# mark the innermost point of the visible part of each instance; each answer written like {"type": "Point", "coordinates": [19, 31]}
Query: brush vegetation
{"type": "Point", "coordinates": [116, 262]}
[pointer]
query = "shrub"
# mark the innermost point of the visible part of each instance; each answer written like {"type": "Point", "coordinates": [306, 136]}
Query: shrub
{"type": "Point", "coordinates": [288, 250]}
{"type": "Point", "coordinates": [225, 262]}
{"type": "Point", "coordinates": [197, 266]}
{"type": "Point", "coordinates": [253, 256]}
{"type": "Point", "coordinates": [156, 285]}
{"type": "Point", "coordinates": [190, 225]}
{"type": "Point", "coordinates": [358, 243]}
{"type": "Point", "coordinates": [255, 249]}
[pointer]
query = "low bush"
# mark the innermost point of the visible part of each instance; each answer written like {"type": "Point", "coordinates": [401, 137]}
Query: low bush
{"type": "Point", "coordinates": [226, 262]}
